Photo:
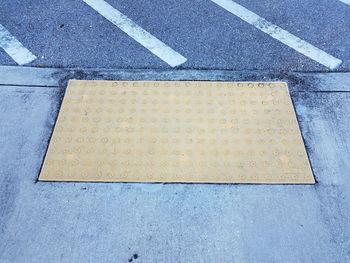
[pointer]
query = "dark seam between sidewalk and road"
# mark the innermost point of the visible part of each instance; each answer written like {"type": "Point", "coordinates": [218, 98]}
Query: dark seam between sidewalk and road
{"type": "Point", "coordinates": [58, 77]}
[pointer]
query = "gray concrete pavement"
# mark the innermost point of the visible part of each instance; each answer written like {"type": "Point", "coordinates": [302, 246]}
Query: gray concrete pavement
{"type": "Point", "coordinates": [113, 222]}
{"type": "Point", "coordinates": [71, 34]}
{"type": "Point", "coordinates": [124, 222]}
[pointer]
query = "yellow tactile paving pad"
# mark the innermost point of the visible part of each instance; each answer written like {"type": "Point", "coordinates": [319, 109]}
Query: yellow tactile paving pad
{"type": "Point", "coordinates": [211, 132]}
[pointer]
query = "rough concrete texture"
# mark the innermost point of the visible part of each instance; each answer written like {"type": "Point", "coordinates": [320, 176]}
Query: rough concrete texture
{"type": "Point", "coordinates": [113, 222]}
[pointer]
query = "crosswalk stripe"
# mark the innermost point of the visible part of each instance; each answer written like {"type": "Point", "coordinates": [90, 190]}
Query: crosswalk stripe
{"type": "Point", "coordinates": [14, 48]}
{"type": "Point", "coordinates": [153, 44]}
{"type": "Point", "coordinates": [280, 34]}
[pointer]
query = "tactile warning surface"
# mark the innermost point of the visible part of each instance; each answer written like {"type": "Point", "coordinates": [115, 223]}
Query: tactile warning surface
{"type": "Point", "coordinates": [177, 132]}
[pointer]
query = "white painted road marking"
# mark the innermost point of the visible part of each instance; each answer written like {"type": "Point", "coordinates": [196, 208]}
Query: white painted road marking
{"type": "Point", "coordinates": [280, 34]}
{"type": "Point", "coordinates": [345, 1]}
{"type": "Point", "coordinates": [147, 40]}
{"type": "Point", "coordinates": [14, 48]}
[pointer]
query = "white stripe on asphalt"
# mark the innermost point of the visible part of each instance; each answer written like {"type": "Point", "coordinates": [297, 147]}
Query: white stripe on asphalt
{"type": "Point", "coordinates": [147, 40]}
{"type": "Point", "coordinates": [345, 1]}
{"type": "Point", "coordinates": [14, 48]}
{"type": "Point", "coordinates": [280, 34]}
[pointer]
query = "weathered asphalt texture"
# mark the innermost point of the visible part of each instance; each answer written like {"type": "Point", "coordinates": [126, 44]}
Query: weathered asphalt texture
{"type": "Point", "coordinates": [119, 222]}
{"type": "Point", "coordinates": [69, 33]}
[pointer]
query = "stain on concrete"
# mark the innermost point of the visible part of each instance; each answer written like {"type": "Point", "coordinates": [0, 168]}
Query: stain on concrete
{"type": "Point", "coordinates": [133, 257]}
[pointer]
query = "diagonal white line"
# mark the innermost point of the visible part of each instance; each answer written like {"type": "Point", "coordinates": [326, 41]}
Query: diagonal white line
{"type": "Point", "coordinates": [280, 34]}
{"type": "Point", "coordinates": [140, 35]}
{"type": "Point", "coordinates": [14, 48]}
{"type": "Point", "coordinates": [345, 1]}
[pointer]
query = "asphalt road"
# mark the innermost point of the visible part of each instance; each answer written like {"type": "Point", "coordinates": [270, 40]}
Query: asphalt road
{"type": "Point", "coordinates": [70, 33]}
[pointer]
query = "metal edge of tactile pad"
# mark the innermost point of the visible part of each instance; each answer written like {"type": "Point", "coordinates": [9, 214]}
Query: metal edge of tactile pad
{"type": "Point", "coordinates": [112, 177]}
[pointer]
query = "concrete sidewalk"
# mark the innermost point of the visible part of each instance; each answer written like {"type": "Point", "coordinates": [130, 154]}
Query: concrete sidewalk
{"type": "Point", "coordinates": [113, 222]}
